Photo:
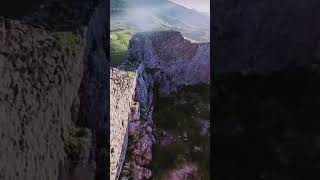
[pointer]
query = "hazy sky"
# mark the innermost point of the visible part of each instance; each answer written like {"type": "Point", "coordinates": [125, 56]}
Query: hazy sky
{"type": "Point", "coordinates": [200, 5]}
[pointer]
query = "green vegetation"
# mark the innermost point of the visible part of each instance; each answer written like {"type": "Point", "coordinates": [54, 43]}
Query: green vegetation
{"type": "Point", "coordinates": [128, 166]}
{"type": "Point", "coordinates": [76, 140]}
{"type": "Point", "coordinates": [67, 39]}
{"type": "Point", "coordinates": [166, 158]}
{"type": "Point", "coordinates": [133, 105]}
{"type": "Point", "coordinates": [179, 114]}
{"type": "Point", "coordinates": [119, 41]}
{"type": "Point", "coordinates": [132, 74]}
{"type": "Point", "coordinates": [179, 111]}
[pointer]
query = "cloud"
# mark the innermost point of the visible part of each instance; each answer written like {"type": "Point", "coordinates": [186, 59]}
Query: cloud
{"type": "Point", "coordinates": [200, 5]}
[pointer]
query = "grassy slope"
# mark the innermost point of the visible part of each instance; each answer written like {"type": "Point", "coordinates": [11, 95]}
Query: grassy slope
{"type": "Point", "coordinates": [119, 41]}
{"type": "Point", "coordinates": [171, 17]}
{"type": "Point", "coordinates": [177, 115]}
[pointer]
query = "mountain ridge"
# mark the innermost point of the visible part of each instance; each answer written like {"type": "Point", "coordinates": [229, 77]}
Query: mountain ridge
{"type": "Point", "coordinates": [160, 15]}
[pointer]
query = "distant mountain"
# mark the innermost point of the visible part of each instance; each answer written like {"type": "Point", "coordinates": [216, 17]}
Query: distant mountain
{"type": "Point", "coordinates": [189, 16]}
{"type": "Point", "coordinates": [155, 15]}
{"type": "Point", "coordinates": [120, 3]}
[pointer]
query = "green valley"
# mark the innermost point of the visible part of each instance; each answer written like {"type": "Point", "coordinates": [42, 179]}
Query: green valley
{"type": "Point", "coordinates": [119, 41]}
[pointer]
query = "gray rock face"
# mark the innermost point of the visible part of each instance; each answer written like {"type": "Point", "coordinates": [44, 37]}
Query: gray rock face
{"type": "Point", "coordinates": [143, 151]}
{"type": "Point", "coordinates": [134, 121]}
{"type": "Point", "coordinates": [187, 171]}
{"type": "Point", "coordinates": [38, 87]}
{"type": "Point", "coordinates": [41, 76]}
{"type": "Point", "coordinates": [141, 173]}
{"type": "Point", "coordinates": [173, 60]}
{"type": "Point", "coordinates": [121, 94]}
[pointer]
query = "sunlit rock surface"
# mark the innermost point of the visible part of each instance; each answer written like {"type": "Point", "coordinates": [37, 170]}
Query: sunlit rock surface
{"type": "Point", "coordinates": [171, 60]}
{"type": "Point", "coordinates": [121, 94]}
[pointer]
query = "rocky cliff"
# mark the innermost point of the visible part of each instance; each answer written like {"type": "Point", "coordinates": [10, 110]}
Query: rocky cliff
{"type": "Point", "coordinates": [161, 61]}
{"type": "Point", "coordinates": [38, 91]}
{"type": "Point", "coordinates": [43, 88]}
{"type": "Point", "coordinates": [171, 60]}
{"type": "Point", "coordinates": [122, 92]}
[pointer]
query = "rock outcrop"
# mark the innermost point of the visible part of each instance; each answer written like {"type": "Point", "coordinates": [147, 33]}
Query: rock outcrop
{"type": "Point", "coordinates": [44, 87]}
{"type": "Point", "coordinates": [39, 83]}
{"type": "Point", "coordinates": [187, 171]}
{"type": "Point", "coordinates": [122, 90]}
{"type": "Point", "coordinates": [173, 60]}
{"type": "Point", "coordinates": [162, 61]}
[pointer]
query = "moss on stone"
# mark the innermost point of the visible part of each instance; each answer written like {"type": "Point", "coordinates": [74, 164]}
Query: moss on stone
{"type": "Point", "coordinates": [133, 106]}
{"type": "Point", "coordinates": [166, 158]}
{"type": "Point", "coordinates": [119, 41]}
{"type": "Point", "coordinates": [67, 39]}
{"type": "Point", "coordinates": [76, 140]}
{"type": "Point", "coordinates": [132, 74]}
